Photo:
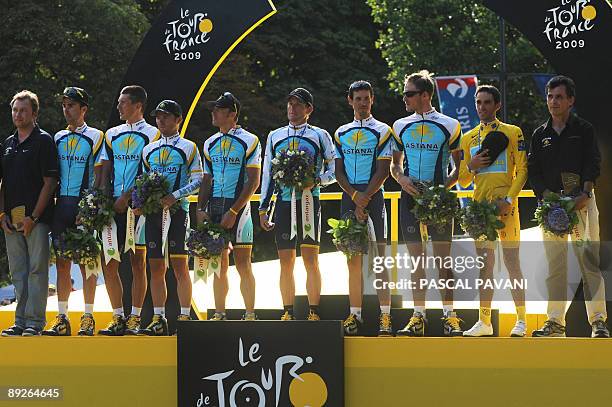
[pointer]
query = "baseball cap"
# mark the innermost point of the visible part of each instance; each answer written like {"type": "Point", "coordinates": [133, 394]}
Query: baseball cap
{"type": "Point", "coordinates": [76, 94]}
{"type": "Point", "coordinates": [303, 95]}
{"type": "Point", "coordinates": [168, 106]}
{"type": "Point", "coordinates": [225, 101]}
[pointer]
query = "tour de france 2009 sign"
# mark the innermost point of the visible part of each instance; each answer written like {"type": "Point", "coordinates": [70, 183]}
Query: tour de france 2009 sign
{"type": "Point", "coordinates": [260, 363]}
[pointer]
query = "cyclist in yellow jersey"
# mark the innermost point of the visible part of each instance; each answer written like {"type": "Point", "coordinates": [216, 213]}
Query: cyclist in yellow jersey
{"type": "Point", "coordinates": [500, 182]}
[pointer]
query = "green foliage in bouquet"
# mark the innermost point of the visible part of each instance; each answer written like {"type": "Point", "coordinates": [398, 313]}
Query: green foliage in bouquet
{"type": "Point", "coordinates": [79, 246]}
{"type": "Point", "coordinates": [349, 235]}
{"type": "Point", "coordinates": [95, 210]}
{"type": "Point", "coordinates": [436, 206]}
{"type": "Point", "coordinates": [480, 220]}
{"type": "Point", "coordinates": [207, 240]}
{"type": "Point", "coordinates": [150, 188]}
{"type": "Point", "coordinates": [293, 168]}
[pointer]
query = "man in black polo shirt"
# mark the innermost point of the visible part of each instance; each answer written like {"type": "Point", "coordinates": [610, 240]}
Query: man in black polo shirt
{"type": "Point", "coordinates": [29, 174]}
{"type": "Point", "coordinates": [564, 157]}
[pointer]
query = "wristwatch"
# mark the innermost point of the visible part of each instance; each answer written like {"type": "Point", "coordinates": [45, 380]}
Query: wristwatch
{"type": "Point", "coordinates": [35, 219]}
{"type": "Point", "coordinates": [589, 194]}
{"type": "Point", "coordinates": [508, 200]}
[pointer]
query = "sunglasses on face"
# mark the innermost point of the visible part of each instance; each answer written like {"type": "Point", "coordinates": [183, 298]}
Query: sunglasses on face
{"type": "Point", "coordinates": [411, 93]}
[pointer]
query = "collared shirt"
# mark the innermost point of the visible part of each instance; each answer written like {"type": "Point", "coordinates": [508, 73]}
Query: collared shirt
{"type": "Point", "coordinates": [504, 177]}
{"type": "Point", "coordinates": [313, 139]}
{"type": "Point", "coordinates": [24, 165]}
{"type": "Point", "coordinates": [124, 145]}
{"type": "Point", "coordinates": [360, 144]}
{"type": "Point", "coordinates": [574, 150]}
{"type": "Point", "coordinates": [427, 140]}
{"type": "Point", "coordinates": [177, 159]}
{"type": "Point", "coordinates": [78, 151]}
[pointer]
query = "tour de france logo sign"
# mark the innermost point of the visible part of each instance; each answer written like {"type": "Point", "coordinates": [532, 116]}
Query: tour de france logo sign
{"type": "Point", "coordinates": [186, 34]}
{"type": "Point", "coordinates": [566, 24]}
{"type": "Point", "coordinates": [260, 364]}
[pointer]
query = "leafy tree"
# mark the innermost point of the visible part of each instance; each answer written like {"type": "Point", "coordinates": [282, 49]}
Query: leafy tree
{"type": "Point", "coordinates": [49, 45]}
{"type": "Point", "coordinates": [459, 37]}
{"type": "Point", "coordinates": [45, 46]}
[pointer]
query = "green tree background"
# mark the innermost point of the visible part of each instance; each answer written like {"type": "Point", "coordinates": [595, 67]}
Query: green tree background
{"type": "Point", "coordinates": [321, 45]}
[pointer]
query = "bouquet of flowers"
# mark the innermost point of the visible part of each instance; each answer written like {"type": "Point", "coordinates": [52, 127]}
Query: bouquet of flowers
{"type": "Point", "coordinates": [207, 240]}
{"type": "Point", "coordinates": [479, 220]}
{"type": "Point", "coordinates": [95, 210]}
{"type": "Point", "coordinates": [293, 168]}
{"type": "Point", "coordinates": [349, 235]}
{"type": "Point", "coordinates": [79, 246]}
{"type": "Point", "coordinates": [436, 206]}
{"type": "Point", "coordinates": [556, 214]}
{"type": "Point", "coordinates": [150, 188]}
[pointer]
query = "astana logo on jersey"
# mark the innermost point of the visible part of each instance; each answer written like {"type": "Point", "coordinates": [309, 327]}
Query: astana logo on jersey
{"type": "Point", "coordinates": [70, 148]}
{"type": "Point", "coordinates": [162, 160]}
{"type": "Point", "coordinates": [359, 143]}
{"type": "Point", "coordinates": [128, 144]}
{"type": "Point", "coordinates": [222, 152]}
{"type": "Point", "coordinates": [423, 136]}
{"type": "Point", "coordinates": [294, 144]}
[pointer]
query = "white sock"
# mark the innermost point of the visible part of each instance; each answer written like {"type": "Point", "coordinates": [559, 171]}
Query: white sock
{"type": "Point", "coordinates": [136, 311]}
{"type": "Point", "coordinates": [185, 310]}
{"type": "Point", "coordinates": [62, 307]}
{"type": "Point", "coordinates": [118, 311]}
{"type": "Point", "coordinates": [447, 309]}
{"type": "Point", "coordinates": [419, 309]}
{"type": "Point", "coordinates": [385, 309]}
{"type": "Point", "coordinates": [89, 309]}
{"type": "Point", "coordinates": [357, 312]}
{"type": "Point", "coordinates": [159, 311]}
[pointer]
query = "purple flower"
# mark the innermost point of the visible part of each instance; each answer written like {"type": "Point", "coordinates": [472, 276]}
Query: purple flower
{"type": "Point", "coordinates": [557, 219]}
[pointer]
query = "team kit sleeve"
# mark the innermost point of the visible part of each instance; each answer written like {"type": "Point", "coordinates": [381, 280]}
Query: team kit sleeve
{"type": "Point", "coordinates": [194, 171]}
{"type": "Point", "coordinates": [397, 140]}
{"type": "Point", "coordinates": [253, 156]}
{"type": "Point", "coordinates": [519, 152]}
{"type": "Point", "coordinates": [144, 163]}
{"type": "Point", "coordinates": [328, 175]}
{"type": "Point", "coordinates": [99, 151]}
{"type": "Point", "coordinates": [455, 139]}
{"type": "Point", "coordinates": [267, 186]}
{"type": "Point", "coordinates": [385, 145]}
{"type": "Point", "coordinates": [465, 175]}
{"type": "Point", "coordinates": [207, 167]}
{"type": "Point", "coordinates": [337, 145]}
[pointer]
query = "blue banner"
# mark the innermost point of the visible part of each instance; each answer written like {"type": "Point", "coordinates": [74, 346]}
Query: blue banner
{"type": "Point", "coordinates": [541, 80]}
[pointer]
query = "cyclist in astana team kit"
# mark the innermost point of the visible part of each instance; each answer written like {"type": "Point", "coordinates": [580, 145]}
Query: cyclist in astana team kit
{"type": "Point", "coordinates": [363, 157]}
{"type": "Point", "coordinates": [178, 160]}
{"type": "Point", "coordinates": [124, 145]}
{"type": "Point", "coordinates": [232, 165]}
{"type": "Point", "coordinates": [297, 135]}
{"type": "Point", "coordinates": [79, 153]}
{"type": "Point", "coordinates": [424, 142]}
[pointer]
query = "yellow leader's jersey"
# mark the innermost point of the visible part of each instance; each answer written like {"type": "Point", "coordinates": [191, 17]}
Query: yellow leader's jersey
{"type": "Point", "coordinates": [507, 175]}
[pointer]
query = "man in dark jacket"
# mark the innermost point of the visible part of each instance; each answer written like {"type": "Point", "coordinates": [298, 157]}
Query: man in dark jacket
{"type": "Point", "coordinates": [564, 158]}
{"type": "Point", "coordinates": [29, 174]}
